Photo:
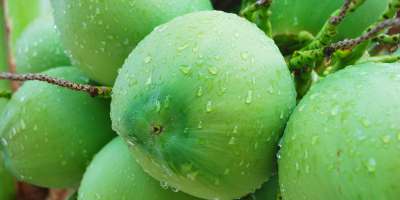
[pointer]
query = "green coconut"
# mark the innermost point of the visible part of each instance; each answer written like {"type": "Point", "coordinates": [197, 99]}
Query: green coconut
{"type": "Point", "coordinates": [50, 134]}
{"type": "Point", "coordinates": [39, 47]}
{"type": "Point", "coordinates": [99, 35]}
{"type": "Point", "coordinates": [204, 108]}
{"type": "Point", "coordinates": [343, 139]}
{"type": "Point", "coordinates": [114, 174]}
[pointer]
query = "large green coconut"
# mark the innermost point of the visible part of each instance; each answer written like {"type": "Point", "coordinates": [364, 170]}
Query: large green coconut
{"type": "Point", "coordinates": [99, 35]}
{"type": "Point", "coordinates": [204, 107]}
{"type": "Point", "coordinates": [114, 174]}
{"type": "Point", "coordinates": [50, 134]}
{"type": "Point", "coordinates": [343, 139]}
{"type": "Point", "coordinates": [39, 47]}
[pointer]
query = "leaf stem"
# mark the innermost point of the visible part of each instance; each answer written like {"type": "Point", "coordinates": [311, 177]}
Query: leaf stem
{"type": "Point", "coordinates": [93, 91]}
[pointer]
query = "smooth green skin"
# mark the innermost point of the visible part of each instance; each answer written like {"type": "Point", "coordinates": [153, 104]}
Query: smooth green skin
{"type": "Point", "coordinates": [22, 12]}
{"type": "Point", "coordinates": [343, 139]}
{"type": "Point", "coordinates": [49, 134]}
{"type": "Point", "coordinates": [293, 16]}
{"type": "Point", "coordinates": [114, 174]}
{"type": "Point", "coordinates": [39, 47]}
{"type": "Point", "coordinates": [99, 35]}
{"type": "Point", "coordinates": [222, 93]}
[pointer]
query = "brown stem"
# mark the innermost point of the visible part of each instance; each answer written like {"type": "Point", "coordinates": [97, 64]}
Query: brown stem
{"type": "Point", "coordinates": [343, 12]}
{"type": "Point", "coordinates": [328, 50]}
{"type": "Point", "coordinates": [93, 91]}
{"type": "Point", "coordinates": [11, 61]}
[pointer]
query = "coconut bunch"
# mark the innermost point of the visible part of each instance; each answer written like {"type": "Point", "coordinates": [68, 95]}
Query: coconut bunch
{"type": "Point", "coordinates": [192, 103]}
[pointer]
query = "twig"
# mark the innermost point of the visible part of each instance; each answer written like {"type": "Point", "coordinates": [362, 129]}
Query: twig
{"type": "Point", "coordinates": [330, 28]}
{"type": "Point", "coordinates": [264, 14]}
{"type": "Point", "coordinates": [93, 91]}
{"type": "Point", "coordinates": [303, 58]}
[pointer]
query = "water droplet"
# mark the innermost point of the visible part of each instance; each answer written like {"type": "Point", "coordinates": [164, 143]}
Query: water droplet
{"type": "Point", "coordinates": [147, 58]}
{"type": "Point", "coordinates": [4, 141]}
{"type": "Point", "coordinates": [236, 34]}
{"type": "Point", "coordinates": [174, 189]}
{"type": "Point", "coordinates": [185, 69]}
{"type": "Point", "coordinates": [158, 105]}
{"type": "Point", "coordinates": [395, 78]}
{"type": "Point", "coordinates": [365, 121]}
{"type": "Point", "coordinates": [370, 164]}
{"type": "Point", "coordinates": [335, 110]}
{"type": "Point", "coordinates": [167, 101]}
{"type": "Point", "coordinates": [164, 184]}
{"type": "Point", "coordinates": [216, 181]}
{"type": "Point", "coordinates": [148, 81]}
{"type": "Point", "coordinates": [314, 139]}
{"type": "Point", "coordinates": [208, 106]}
{"type": "Point", "coordinates": [314, 95]}
{"type": "Point", "coordinates": [302, 107]}
{"type": "Point", "coordinates": [213, 70]}
{"type": "Point", "coordinates": [200, 125]}
{"type": "Point", "coordinates": [183, 47]}
{"type": "Point", "coordinates": [386, 138]}
{"type": "Point", "coordinates": [249, 96]}
{"type": "Point", "coordinates": [244, 55]}
{"type": "Point", "coordinates": [200, 91]}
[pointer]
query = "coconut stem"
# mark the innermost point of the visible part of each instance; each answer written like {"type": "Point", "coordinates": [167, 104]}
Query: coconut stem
{"type": "Point", "coordinates": [93, 91]}
{"type": "Point", "coordinates": [6, 94]}
{"type": "Point", "coordinates": [330, 29]}
{"type": "Point", "coordinates": [357, 52]}
{"type": "Point", "coordinates": [389, 40]}
{"type": "Point", "coordinates": [390, 11]}
{"type": "Point", "coordinates": [264, 14]}
{"type": "Point", "coordinates": [301, 59]}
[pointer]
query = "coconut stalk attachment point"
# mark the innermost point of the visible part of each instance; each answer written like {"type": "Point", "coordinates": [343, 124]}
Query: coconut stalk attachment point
{"type": "Point", "coordinates": [204, 109]}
